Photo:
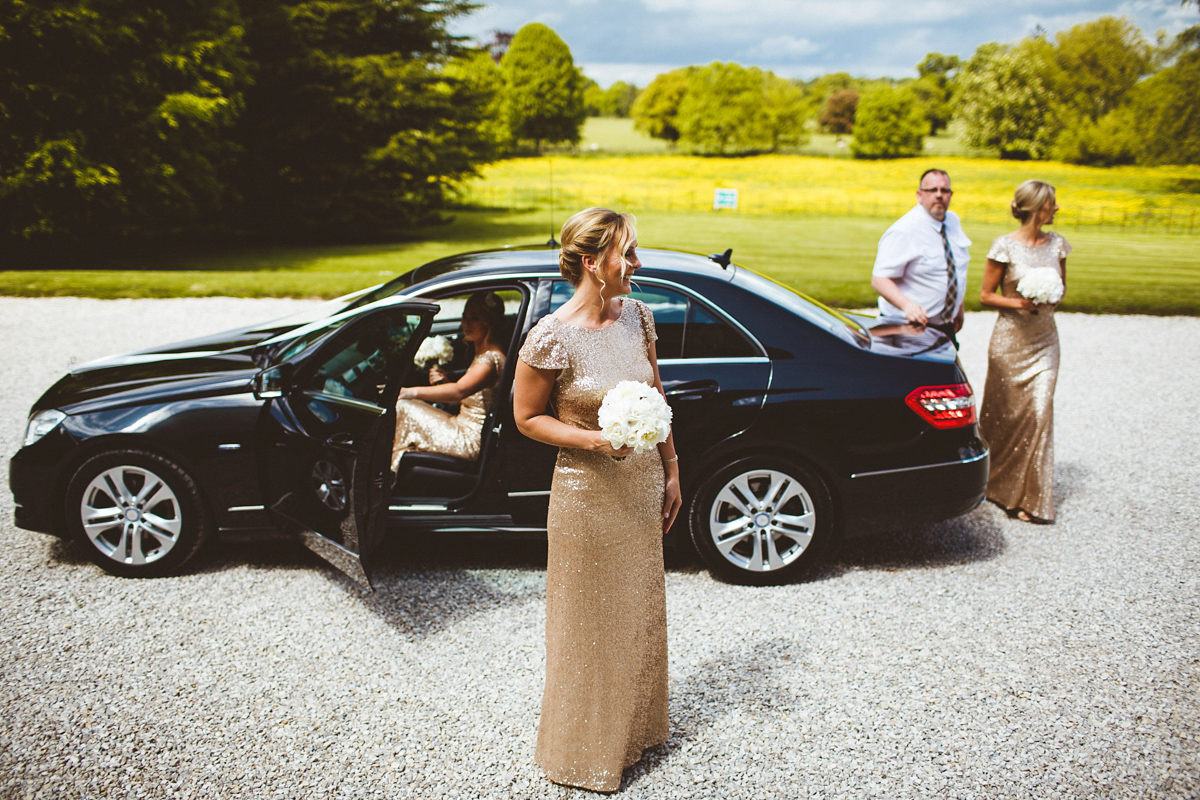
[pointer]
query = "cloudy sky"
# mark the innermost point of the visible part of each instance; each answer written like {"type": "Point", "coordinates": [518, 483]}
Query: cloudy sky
{"type": "Point", "coordinates": [634, 40]}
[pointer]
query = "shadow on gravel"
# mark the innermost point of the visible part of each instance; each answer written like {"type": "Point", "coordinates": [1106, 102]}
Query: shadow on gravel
{"type": "Point", "coordinates": [1069, 476]}
{"type": "Point", "coordinates": [66, 553]}
{"type": "Point", "coordinates": [426, 583]}
{"type": "Point", "coordinates": [746, 683]}
{"type": "Point", "coordinates": [977, 536]}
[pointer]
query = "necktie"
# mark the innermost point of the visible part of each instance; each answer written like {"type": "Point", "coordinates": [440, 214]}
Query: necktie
{"type": "Point", "coordinates": [951, 281]}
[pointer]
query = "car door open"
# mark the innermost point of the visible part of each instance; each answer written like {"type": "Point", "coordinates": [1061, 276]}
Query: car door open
{"type": "Point", "coordinates": [328, 430]}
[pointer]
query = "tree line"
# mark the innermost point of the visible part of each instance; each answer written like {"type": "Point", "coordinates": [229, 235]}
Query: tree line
{"type": "Point", "coordinates": [308, 119]}
{"type": "Point", "coordinates": [284, 119]}
{"type": "Point", "coordinates": [1098, 93]}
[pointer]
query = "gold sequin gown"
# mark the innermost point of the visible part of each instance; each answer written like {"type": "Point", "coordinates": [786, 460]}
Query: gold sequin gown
{"type": "Point", "coordinates": [605, 699]}
{"type": "Point", "coordinates": [1017, 414]}
{"type": "Point", "coordinates": [421, 427]}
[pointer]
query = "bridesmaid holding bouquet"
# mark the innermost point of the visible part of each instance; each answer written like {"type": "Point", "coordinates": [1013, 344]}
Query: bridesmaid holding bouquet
{"type": "Point", "coordinates": [1025, 279]}
{"type": "Point", "coordinates": [605, 698]}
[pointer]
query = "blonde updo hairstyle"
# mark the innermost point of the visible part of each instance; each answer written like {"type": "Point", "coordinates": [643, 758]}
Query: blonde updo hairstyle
{"type": "Point", "coordinates": [594, 232]}
{"type": "Point", "coordinates": [1030, 197]}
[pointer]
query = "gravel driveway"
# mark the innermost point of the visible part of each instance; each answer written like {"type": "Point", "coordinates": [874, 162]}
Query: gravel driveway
{"type": "Point", "coordinates": [982, 657]}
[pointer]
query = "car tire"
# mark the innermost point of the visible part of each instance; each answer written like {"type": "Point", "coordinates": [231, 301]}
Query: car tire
{"type": "Point", "coordinates": [760, 521]}
{"type": "Point", "coordinates": [136, 513]}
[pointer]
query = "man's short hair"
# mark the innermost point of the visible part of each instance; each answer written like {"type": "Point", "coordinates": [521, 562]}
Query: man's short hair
{"type": "Point", "coordinates": [934, 171]}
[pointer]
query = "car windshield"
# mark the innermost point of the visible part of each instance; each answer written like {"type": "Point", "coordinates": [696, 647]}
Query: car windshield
{"type": "Point", "coordinates": [812, 310]}
{"type": "Point", "coordinates": [293, 343]}
{"type": "Point", "coordinates": [393, 287]}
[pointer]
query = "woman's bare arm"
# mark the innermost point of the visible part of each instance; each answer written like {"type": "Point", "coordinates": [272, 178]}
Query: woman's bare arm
{"type": "Point", "coordinates": [672, 494]}
{"type": "Point", "coordinates": [531, 396]}
{"type": "Point", "coordinates": [993, 277]}
{"type": "Point", "coordinates": [479, 376]}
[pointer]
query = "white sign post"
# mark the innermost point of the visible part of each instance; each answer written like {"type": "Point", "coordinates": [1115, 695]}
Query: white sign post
{"type": "Point", "coordinates": [725, 198]}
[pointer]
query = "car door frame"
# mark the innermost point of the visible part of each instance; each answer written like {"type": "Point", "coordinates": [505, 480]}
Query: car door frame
{"type": "Point", "coordinates": [525, 462]}
{"type": "Point", "coordinates": [369, 457]}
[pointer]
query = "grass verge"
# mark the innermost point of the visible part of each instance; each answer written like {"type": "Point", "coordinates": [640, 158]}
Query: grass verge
{"type": "Point", "coordinates": [828, 257]}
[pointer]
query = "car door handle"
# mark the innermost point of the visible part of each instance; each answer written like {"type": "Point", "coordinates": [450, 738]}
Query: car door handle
{"type": "Point", "coordinates": [693, 390]}
{"type": "Point", "coordinates": [340, 441]}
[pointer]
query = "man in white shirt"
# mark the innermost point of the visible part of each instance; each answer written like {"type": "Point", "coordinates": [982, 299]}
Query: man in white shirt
{"type": "Point", "coordinates": [920, 268]}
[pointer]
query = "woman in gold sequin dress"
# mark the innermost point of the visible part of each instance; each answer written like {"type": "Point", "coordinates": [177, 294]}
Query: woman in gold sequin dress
{"type": "Point", "coordinates": [605, 698]}
{"type": "Point", "coordinates": [421, 427]}
{"type": "Point", "coordinates": [1017, 416]}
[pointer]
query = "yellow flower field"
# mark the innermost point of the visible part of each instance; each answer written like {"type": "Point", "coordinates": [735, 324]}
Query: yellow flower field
{"type": "Point", "coordinates": [1160, 197]}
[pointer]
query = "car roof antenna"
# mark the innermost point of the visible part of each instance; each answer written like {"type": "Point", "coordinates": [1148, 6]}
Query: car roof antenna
{"type": "Point", "coordinates": [723, 258]}
{"type": "Point", "coordinates": [553, 242]}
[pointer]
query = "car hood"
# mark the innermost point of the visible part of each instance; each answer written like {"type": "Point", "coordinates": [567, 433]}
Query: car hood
{"type": "Point", "coordinates": [154, 376]}
{"type": "Point", "coordinates": [237, 338]}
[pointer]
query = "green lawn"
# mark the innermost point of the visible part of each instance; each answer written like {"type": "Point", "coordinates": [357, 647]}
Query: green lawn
{"type": "Point", "coordinates": [828, 257]}
{"type": "Point", "coordinates": [810, 220]}
{"type": "Point", "coordinates": [612, 135]}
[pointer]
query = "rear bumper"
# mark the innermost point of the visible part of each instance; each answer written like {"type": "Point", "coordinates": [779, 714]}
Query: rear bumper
{"type": "Point", "coordinates": [885, 500]}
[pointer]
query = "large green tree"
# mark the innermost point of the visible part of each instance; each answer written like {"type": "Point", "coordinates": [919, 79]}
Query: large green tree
{"type": "Point", "coordinates": [1166, 114]}
{"type": "Point", "coordinates": [615, 101]}
{"type": "Point", "coordinates": [787, 110]}
{"type": "Point", "coordinates": [820, 89]}
{"type": "Point", "coordinates": [934, 89]}
{"type": "Point", "coordinates": [657, 106]}
{"type": "Point", "coordinates": [271, 117]}
{"type": "Point", "coordinates": [1004, 103]}
{"type": "Point", "coordinates": [543, 88]}
{"type": "Point", "coordinates": [888, 124]}
{"type": "Point", "coordinates": [724, 110]}
{"type": "Point", "coordinates": [115, 115]}
{"type": "Point", "coordinates": [837, 115]}
{"type": "Point", "coordinates": [619, 99]}
{"type": "Point", "coordinates": [1093, 66]}
{"type": "Point", "coordinates": [351, 126]}
{"type": "Point", "coordinates": [476, 80]}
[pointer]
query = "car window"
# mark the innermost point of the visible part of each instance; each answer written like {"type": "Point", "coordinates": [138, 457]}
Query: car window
{"type": "Point", "coordinates": [670, 314]}
{"type": "Point", "coordinates": [804, 306]}
{"type": "Point", "coordinates": [304, 340]}
{"type": "Point", "coordinates": [448, 324]}
{"type": "Point", "coordinates": [709, 336]}
{"type": "Point", "coordinates": [359, 366]}
{"type": "Point", "coordinates": [686, 327]}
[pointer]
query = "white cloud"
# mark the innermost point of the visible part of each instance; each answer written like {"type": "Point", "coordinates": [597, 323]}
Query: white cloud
{"type": "Point", "coordinates": [1169, 15]}
{"type": "Point", "coordinates": [634, 40]}
{"type": "Point", "coordinates": [782, 48]}
{"type": "Point", "coordinates": [638, 74]}
{"type": "Point", "coordinates": [804, 15]}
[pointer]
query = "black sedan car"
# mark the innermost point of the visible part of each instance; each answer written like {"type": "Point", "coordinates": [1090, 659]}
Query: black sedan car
{"type": "Point", "coordinates": [794, 424]}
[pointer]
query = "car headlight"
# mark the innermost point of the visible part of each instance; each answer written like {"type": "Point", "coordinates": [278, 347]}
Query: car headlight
{"type": "Point", "coordinates": [42, 423]}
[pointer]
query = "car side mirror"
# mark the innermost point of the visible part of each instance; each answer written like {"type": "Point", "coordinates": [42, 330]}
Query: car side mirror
{"type": "Point", "coordinates": [272, 382]}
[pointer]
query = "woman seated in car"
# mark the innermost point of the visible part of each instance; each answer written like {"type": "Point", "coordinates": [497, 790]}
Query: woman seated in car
{"type": "Point", "coordinates": [422, 428]}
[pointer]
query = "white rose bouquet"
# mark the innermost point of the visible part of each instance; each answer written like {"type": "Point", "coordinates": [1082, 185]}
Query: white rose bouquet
{"type": "Point", "coordinates": [635, 415]}
{"type": "Point", "coordinates": [435, 348]}
{"type": "Point", "coordinates": [1041, 285]}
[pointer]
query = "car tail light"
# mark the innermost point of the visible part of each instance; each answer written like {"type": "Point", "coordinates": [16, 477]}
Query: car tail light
{"type": "Point", "coordinates": [944, 406]}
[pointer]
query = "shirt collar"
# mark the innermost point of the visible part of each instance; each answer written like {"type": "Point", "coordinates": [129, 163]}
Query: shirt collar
{"type": "Point", "coordinates": [936, 223]}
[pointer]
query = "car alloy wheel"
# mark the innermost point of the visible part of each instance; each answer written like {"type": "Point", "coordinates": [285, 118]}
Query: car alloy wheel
{"type": "Point", "coordinates": [136, 513]}
{"type": "Point", "coordinates": [760, 521]}
{"type": "Point", "coordinates": [330, 485]}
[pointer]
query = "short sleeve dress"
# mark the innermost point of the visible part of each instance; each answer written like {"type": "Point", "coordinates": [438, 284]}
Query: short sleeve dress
{"type": "Point", "coordinates": [605, 699]}
{"type": "Point", "coordinates": [422, 428]}
{"type": "Point", "coordinates": [1017, 414]}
